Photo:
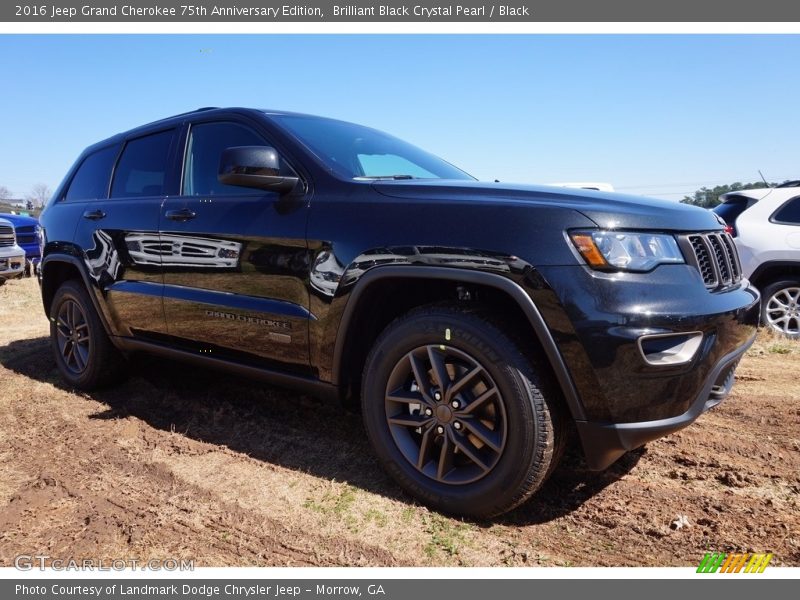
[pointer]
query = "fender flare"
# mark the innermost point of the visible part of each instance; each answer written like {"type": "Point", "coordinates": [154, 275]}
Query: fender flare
{"type": "Point", "coordinates": [773, 264]}
{"type": "Point", "coordinates": [59, 257]}
{"type": "Point", "coordinates": [503, 284]}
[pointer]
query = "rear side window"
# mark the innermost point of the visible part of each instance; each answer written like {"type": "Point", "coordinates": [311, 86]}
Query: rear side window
{"type": "Point", "coordinates": [142, 169]}
{"type": "Point", "coordinates": [789, 213]}
{"type": "Point", "coordinates": [733, 207]}
{"type": "Point", "coordinates": [91, 180]}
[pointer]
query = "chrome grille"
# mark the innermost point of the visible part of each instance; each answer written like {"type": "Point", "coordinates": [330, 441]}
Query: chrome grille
{"type": "Point", "coordinates": [715, 257]}
{"type": "Point", "coordinates": [7, 237]}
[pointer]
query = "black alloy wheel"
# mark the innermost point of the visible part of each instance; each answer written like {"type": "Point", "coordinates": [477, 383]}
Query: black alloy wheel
{"type": "Point", "coordinates": [446, 414]}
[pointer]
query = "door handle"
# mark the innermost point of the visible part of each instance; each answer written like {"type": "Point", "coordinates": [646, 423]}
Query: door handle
{"type": "Point", "coordinates": [182, 214]}
{"type": "Point", "coordinates": [94, 215]}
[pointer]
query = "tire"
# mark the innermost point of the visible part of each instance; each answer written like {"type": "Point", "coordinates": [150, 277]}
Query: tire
{"type": "Point", "coordinates": [780, 307]}
{"type": "Point", "coordinates": [82, 350]}
{"type": "Point", "coordinates": [506, 439]}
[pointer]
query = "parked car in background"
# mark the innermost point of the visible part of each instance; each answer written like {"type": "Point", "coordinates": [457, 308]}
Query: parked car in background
{"type": "Point", "coordinates": [765, 225]}
{"type": "Point", "coordinates": [26, 229]}
{"type": "Point", "coordinates": [12, 257]}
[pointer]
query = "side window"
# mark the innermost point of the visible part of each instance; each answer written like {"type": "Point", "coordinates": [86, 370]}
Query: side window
{"type": "Point", "coordinates": [789, 213]}
{"type": "Point", "coordinates": [91, 180]}
{"type": "Point", "coordinates": [206, 143]}
{"type": "Point", "coordinates": [142, 169]}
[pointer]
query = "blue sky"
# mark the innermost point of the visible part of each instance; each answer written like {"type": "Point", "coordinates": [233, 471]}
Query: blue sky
{"type": "Point", "coordinates": [655, 114]}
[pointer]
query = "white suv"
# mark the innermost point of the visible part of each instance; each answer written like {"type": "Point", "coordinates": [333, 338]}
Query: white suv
{"type": "Point", "coordinates": [765, 224]}
{"type": "Point", "coordinates": [12, 257]}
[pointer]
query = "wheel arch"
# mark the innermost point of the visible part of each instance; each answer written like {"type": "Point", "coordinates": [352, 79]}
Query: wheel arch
{"type": "Point", "coordinates": [55, 269]}
{"type": "Point", "coordinates": [774, 270]}
{"type": "Point", "coordinates": [378, 276]}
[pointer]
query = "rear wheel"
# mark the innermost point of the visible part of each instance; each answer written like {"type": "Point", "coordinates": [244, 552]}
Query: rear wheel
{"type": "Point", "coordinates": [83, 352]}
{"type": "Point", "coordinates": [780, 307]}
{"type": "Point", "coordinates": [457, 414]}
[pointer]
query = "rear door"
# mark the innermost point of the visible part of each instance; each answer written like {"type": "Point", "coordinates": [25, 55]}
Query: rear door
{"type": "Point", "coordinates": [117, 232]}
{"type": "Point", "coordinates": [235, 259]}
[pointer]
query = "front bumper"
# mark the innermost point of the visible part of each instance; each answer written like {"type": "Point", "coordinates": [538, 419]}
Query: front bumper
{"type": "Point", "coordinates": [604, 443]}
{"type": "Point", "coordinates": [11, 265]}
{"type": "Point", "coordinates": [628, 395]}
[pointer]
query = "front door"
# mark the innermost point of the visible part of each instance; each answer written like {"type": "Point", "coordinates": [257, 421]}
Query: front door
{"type": "Point", "coordinates": [235, 260]}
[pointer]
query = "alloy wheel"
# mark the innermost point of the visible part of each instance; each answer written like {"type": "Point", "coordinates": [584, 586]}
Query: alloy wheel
{"type": "Point", "coordinates": [783, 311]}
{"type": "Point", "coordinates": [446, 414]}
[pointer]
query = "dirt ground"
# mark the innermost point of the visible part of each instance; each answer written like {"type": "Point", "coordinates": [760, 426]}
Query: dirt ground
{"type": "Point", "coordinates": [176, 463]}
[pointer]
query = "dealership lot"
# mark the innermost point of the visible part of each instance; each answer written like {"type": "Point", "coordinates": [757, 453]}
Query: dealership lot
{"type": "Point", "coordinates": [180, 464]}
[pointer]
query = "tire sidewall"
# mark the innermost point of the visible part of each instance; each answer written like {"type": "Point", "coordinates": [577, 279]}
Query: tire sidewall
{"type": "Point", "coordinates": [480, 497]}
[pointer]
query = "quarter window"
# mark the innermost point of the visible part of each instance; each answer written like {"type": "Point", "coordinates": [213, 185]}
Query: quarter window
{"type": "Point", "coordinates": [142, 169]}
{"type": "Point", "coordinates": [91, 180]}
{"type": "Point", "coordinates": [789, 213]}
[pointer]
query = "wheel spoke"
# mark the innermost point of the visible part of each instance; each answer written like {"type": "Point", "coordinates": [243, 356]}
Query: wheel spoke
{"type": "Point", "coordinates": [442, 378]}
{"type": "Point", "coordinates": [445, 464]}
{"type": "Point", "coordinates": [479, 401]}
{"type": "Point", "coordinates": [484, 434]}
{"type": "Point", "coordinates": [421, 377]}
{"type": "Point", "coordinates": [465, 448]}
{"type": "Point", "coordinates": [74, 314]}
{"type": "Point", "coordinates": [406, 397]}
{"type": "Point", "coordinates": [69, 356]}
{"type": "Point", "coordinates": [81, 356]}
{"type": "Point", "coordinates": [425, 445]}
{"type": "Point", "coordinates": [461, 384]}
{"type": "Point", "coordinates": [409, 420]}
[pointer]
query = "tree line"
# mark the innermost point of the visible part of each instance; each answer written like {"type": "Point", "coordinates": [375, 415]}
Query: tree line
{"type": "Point", "coordinates": [38, 195]}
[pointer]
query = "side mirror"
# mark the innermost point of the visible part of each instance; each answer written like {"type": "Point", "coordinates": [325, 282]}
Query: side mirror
{"type": "Point", "coordinates": [254, 167]}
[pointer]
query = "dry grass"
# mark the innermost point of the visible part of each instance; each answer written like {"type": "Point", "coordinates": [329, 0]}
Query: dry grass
{"type": "Point", "coordinates": [176, 462]}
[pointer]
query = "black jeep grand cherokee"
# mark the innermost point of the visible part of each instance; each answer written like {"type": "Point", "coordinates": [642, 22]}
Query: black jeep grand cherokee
{"type": "Point", "coordinates": [475, 321]}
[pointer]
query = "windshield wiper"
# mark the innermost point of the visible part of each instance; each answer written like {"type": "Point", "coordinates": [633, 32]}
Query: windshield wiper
{"type": "Point", "coordinates": [374, 177]}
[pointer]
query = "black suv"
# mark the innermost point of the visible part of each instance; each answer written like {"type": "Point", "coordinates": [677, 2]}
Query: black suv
{"type": "Point", "coordinates": [476, 323]}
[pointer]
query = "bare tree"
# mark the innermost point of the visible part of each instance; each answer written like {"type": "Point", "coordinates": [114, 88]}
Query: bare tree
{"type": "Point", "coordinates": [39, 194]}
{"type": "Point", "coordinates": [5, 193]}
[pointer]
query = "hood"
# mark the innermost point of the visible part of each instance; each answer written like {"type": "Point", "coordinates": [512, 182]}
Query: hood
{"type": "Point", "coordinates": [608, 210]}
{"type": "Point", "coordinates": [19, 220]}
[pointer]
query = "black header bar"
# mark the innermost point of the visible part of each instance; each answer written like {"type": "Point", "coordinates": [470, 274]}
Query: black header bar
{"type": "Point", "coordinates": [465, 11]}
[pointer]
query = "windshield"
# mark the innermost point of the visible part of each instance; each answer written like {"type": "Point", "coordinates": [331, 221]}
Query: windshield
{"type": "Point", "coordinates": [357, 152]}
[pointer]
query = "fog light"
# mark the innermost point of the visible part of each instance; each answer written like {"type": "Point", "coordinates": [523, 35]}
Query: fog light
{"type": "Point", "coordinates": [662, 349]}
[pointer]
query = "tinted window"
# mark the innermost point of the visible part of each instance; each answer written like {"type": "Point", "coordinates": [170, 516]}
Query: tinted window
{"type": "Point", "coordinates": [142, 169]}
{"type": "Point", "coordinates": [91, 179]}
{"type": "Point", "coordinates": [732, 208]}
{"type": "Point", "coordinates": [789, 212]}
{"type": "Point", "coordinates": [206, 143]}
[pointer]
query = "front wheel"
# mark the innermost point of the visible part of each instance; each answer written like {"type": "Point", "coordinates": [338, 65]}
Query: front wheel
{"type": "Point", "coordinates": [457, 414]}
{"type": "Point", "coordinates": [780, 307]}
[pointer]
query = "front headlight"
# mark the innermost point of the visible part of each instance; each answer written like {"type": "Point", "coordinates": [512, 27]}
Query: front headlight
{"type": "Point", "coordinates": [626, 250]}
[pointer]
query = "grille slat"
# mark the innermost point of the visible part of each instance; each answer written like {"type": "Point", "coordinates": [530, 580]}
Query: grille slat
{"type": "Point", "coordinates": [7, 237]}
{"type": "Point", "coordinates": [715, 256]}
